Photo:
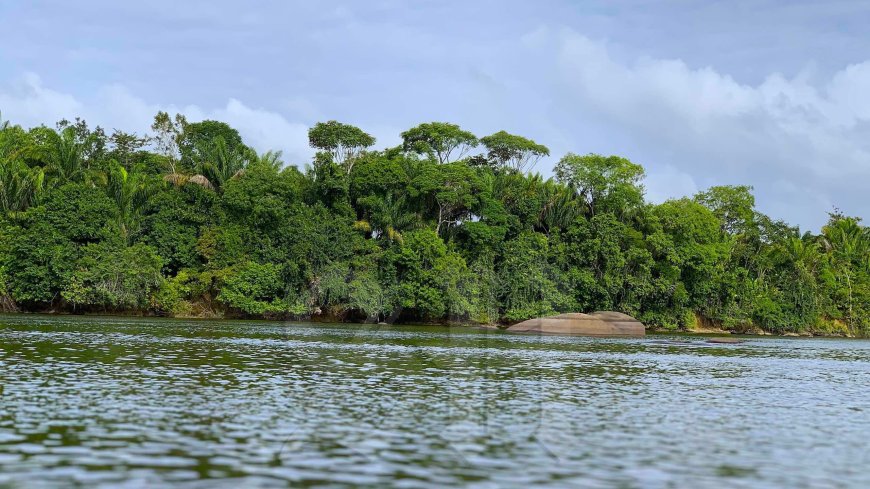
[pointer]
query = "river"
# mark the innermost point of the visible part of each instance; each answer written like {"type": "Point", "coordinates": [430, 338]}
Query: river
{"type": "Point", "coordinates": [120, 402]}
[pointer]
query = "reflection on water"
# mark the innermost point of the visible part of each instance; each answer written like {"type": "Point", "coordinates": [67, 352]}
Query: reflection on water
{"type": "Point", "coordinates": [130, 402]}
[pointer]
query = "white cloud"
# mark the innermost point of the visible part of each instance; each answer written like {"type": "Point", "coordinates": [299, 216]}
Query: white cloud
{"type": "Point", "coordinates": [27, 102]}
{"type": "Point", "coordinates": [804, 147]}
{"type": "Point", "coordinates": [265, 130]}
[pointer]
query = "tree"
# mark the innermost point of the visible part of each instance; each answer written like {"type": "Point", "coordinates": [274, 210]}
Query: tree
{"type": "Point", "coordinates": [64, 157]}
{"type": "Point", "coordinates": [271, 159]}
{"type": "Point", "coordinates": [219, 163]}
{"type": "Point", "coordinates": [167, 133]}
{"type": "Point", "coordinates": [91, 143]}
{"type": "Point", "coordinates": [256, 289]}
{"type": "Point", "coordinates": [20, 186]}
{"type": "Point", "coordinates": [848, 244]}
{"type": "Point", "coordinates": [426, 279]}
{"type": "Point", "coordinates": [172, 222]}
{"type": "Point", "coordinates": [692, 255]}
{"type": "Point", "coordinates": [734, 205]}
{"type": "Point", "coordinates": [125, 145]}
{"type": "Point", "coordinates": [130, 192]}
{"type": "Point", "coordinates": [559, 207]}
{"type": "Point", "coordinates": [47, 242]}
{"type": "Point", "coordinates": [412, 232]}
{"type": "Point", "coordinates": [342, 141]}
{"type": "Point", "coordinates": [387, 216]}
{"type": "Point", "coordinates": [526, 279]}
{"type": "Point", "coordinates": [515, 152]}
{"type": "Point", "coordinates": [197, 139]}
{"type": "Point", "coordinates": [376, 174]}
{"type": "Point", "coordinates": [450, 189]}
{"type": "Point", "coordinates": [609, 183]}
{"type": "Point", "coordinates": [439, 140]}
{"type": "Point", "coordinates": [114, 277]}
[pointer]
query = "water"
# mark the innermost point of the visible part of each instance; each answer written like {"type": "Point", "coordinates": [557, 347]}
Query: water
{"type": "Point", "coordinates": [108, 402]}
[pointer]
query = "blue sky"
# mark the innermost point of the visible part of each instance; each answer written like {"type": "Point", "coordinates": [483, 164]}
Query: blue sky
{"type": "Point", "coordinates": [771, 94]}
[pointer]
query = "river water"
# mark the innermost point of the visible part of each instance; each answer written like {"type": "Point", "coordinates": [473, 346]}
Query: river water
{"type": "Point", "coordinates": [109, 402]}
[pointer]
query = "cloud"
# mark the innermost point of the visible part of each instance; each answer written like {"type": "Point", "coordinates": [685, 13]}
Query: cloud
{"type": "Point", "coordinates": [265, 130]}
{"type": "Point", "coordinates": [28, 102]}
{"type": "Point", "coordinates": [26, 99]}
{"type": "Point", "coordinates": [803, 146]}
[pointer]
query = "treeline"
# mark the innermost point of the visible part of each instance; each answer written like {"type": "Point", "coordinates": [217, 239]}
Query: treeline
{"type": "Point", "coordinates": [189, 221]}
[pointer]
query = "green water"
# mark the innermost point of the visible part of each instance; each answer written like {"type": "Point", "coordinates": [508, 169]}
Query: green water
{"type": "Point", "coordinates": [109, 402]}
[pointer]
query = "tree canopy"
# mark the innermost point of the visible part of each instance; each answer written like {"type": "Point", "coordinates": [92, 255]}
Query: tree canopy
{"type": "Point", "coordinates": [440, 140]}
{"type": "Point", "coordinates": [343, 142]}
{"type": "Point", "coordinates": [190, 221]}
{"type": "Point", "coordinates": [514, 152]}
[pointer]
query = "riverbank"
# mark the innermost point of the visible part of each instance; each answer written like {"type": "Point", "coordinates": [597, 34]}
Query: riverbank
{"type": "Point", "coordinates": [701, 328]}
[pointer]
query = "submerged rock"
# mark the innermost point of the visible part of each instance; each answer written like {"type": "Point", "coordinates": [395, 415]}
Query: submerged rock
{"type": "Point", "coordinates": [599, 323]}
{"type": "Point", "coordinates": [725, 340]}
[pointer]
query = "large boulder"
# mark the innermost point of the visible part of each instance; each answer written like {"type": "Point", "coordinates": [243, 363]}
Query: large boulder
{"type": "Point", "coordinates": [599, 323]}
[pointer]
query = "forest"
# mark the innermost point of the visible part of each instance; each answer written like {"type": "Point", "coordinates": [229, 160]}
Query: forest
{"type": "Point", "coordinates": [448, 227]}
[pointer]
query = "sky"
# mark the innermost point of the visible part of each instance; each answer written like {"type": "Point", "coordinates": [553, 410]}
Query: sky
{"type": "Point", "coordinates": [772, 94]}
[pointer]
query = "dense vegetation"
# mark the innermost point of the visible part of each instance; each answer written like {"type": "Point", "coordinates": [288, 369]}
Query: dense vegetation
{"type": "Point", "coordinates": [189, 221]}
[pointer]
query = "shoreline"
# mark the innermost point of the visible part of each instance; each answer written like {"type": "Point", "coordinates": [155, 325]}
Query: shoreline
{"type": "Point", "coordinates": [702, 331]}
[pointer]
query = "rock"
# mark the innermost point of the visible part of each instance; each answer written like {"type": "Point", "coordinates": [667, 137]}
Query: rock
{"type": "Point", "coordinates": [599, 323]}
{"type": "Point", "coordinates": [725, 340]}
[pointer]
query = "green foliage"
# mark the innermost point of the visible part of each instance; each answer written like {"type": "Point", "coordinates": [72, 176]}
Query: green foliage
{"type": "Point", "coordinates": [733, 205]}
{"type": "Point", "coordinates": [375, 174]}
{"type": "Point", "coordinates": [196, 143]}
{"type": "Point", "coordinates": [114, 277]}
{"type": "Point", "coordinates": [514, 152]}
{"type": "Point", "coordinates": [198, 224]}
{"type": "Point", "coordinates": [130, 192]}
{"type": "Point", "coordinates": [218, 162]}
{"type": "Point", "coordinates": [257, 289]}
{"type": "Point", "coordinates": [529, 287]}
{"type": "Point", "coordinates": [447, 192]}
{"type": "Point", "coordinates": [172, 224]}
{"type": "Point", "coordinates": [439, 140]}
{"type": "Point", "coordinates": [604, 183]}
{"type": "Point", "coordinates": [20, 186]}
{"type": "Point", "coordinates": [342, 141]}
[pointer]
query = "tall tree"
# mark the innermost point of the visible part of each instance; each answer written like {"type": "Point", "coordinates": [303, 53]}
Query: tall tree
{"type": "Point", "coordinates": [734, 205]}
{"type": "Point", "coordinates": [125, 145]}
{"type": "Point", "coordinates": [167, 133]}
{"type": "Point", "coordinates": [451, 190]}
{"type": "Point", "coordinates": [515, 152]}
{"type": "Point", "coordinates": [439, 140]}
{"type": "Point", "coordinates": [849, 246]}
{"type": "Point", "coordinates": [220, 163]}
{"type": "Point", "coordinates": [197, 138]}
{"type": "Point", "coordinates": [64, 157]}
{"type": "Point", "coordinates": [610, 183]}
{"type": "Point", "coordinates": [130, 192]}
{"type": "Point", "coordinates": [20, 186]}
{"type": "Point", "coordinates": [342, 141]}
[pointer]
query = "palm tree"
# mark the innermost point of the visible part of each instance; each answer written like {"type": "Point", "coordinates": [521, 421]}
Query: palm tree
{"type": "Point", "coordinates": [221, 164]}
{"type": "Point", "coordinates": [63, 157]}
{"type": "Point", "coordinates": [20, 186]}
{"type": "Point", "coordinates": [560, 206]}
{"type": "Point", "coordinates": [271, 159]}
{"type": "Point", "coordinates": [130, 192]}
{"type": "Point", "coordinates": [848, 244]}
{"type": "Point", "coordinates": [388, 217]}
